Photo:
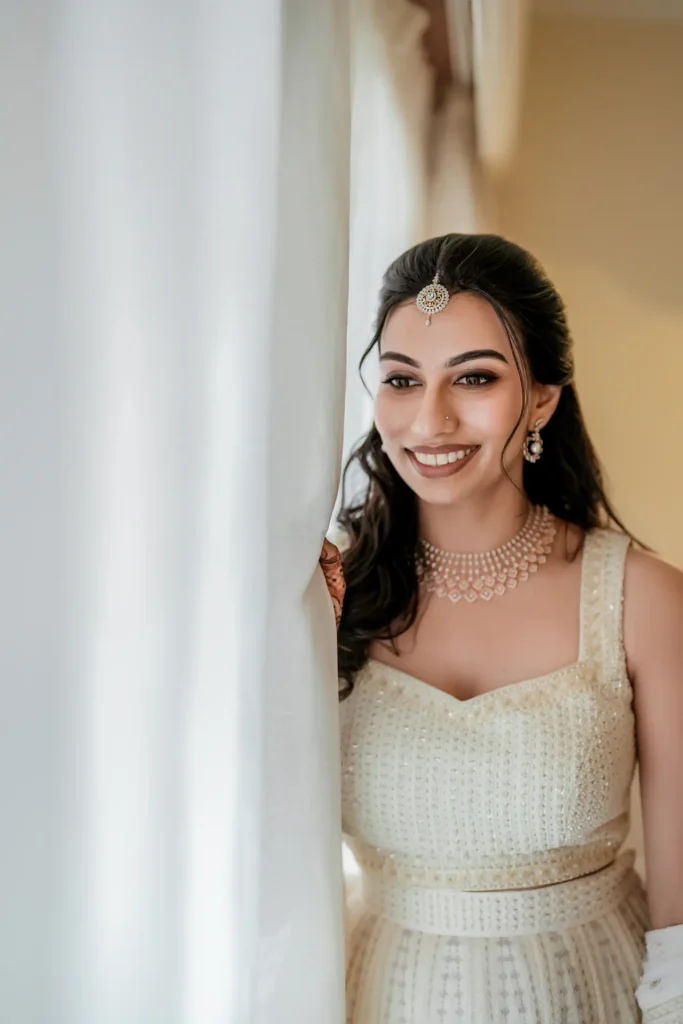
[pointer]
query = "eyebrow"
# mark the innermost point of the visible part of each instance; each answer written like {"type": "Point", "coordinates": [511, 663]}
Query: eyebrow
{"type": "Point", "coordinates": [465, 357]}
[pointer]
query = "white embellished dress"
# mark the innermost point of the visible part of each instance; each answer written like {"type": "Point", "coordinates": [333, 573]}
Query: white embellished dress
{"type": "Point", "coordinates": [488, 834]}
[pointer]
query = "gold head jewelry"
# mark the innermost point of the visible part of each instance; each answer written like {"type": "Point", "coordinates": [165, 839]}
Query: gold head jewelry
{"type": "Point", "coordinates": [432, 299]}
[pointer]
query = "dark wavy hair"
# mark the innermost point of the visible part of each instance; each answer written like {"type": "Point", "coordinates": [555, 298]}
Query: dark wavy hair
{"type": "Point", "coordinates": [381, 524]}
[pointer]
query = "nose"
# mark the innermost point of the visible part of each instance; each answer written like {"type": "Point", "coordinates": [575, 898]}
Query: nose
{"type": "Point", "coordinates": [435, 417]}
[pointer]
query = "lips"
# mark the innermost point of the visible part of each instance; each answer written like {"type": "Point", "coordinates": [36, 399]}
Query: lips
{"type": "Point", "coordinates": [441, 456]}
{"type": "Point", "coordinates": [437, 449]}
{"type": "Point", "coordinates": [444, 460]}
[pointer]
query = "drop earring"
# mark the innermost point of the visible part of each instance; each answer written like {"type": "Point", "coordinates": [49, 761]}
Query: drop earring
{"type": "Point", "coordinates": [533, 446]}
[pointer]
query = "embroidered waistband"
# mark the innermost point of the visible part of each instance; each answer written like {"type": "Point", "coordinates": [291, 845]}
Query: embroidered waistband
{"type": "Point", "coordinates": [544, 868]}
{"type": "Point", "coordinates": [447, 911]}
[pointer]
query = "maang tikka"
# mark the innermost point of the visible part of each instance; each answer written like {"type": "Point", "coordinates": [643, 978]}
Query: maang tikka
{"type": "Point", "coordinates": [432, 299]}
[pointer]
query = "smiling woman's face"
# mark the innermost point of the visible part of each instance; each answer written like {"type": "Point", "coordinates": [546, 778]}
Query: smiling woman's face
{"type": "Point", "coordinates": [451, 394]}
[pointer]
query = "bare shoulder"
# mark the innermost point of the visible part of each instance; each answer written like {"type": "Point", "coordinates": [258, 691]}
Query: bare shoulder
{"type": "Point", "coordinates": [653, 608]}
{"type": "Point", "coordinates": [648, 577]}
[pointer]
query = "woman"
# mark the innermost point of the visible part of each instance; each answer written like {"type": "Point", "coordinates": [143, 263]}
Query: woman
{"type": "Point", "coordinates": [494, 684]}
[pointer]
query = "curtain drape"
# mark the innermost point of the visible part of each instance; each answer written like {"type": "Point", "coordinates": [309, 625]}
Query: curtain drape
{"type": "Point", "coordinates": [174, 285]}
{"type": "Point", "coordinates": [499, 38]}
{"type": "Point", "coordinates": [392, 88]}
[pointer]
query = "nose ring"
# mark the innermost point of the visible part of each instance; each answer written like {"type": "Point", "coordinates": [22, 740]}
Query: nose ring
{"type": "Point", "coordinates": [448, 417]}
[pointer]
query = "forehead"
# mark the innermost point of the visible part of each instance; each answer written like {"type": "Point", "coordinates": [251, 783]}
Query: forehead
{"type": "Point", "coordinates": [468, 322]}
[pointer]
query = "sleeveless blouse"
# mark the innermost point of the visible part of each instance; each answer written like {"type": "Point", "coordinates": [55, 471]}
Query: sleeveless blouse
{"type": "Point", "coordinates": [519, 787]}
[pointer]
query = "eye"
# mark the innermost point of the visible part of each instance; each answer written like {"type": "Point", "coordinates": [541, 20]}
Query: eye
{"type": "Point", "coordinates": [477, 380]}
{"type": "Point", "coordinates": [399, 382]}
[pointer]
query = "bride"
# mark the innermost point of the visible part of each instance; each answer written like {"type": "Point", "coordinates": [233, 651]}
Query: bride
{"type": "Point", "coordinates": [505, 648]}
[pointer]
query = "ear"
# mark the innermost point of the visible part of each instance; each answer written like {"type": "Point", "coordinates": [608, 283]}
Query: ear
{"type": "Point", "coordinates": [544, 403]}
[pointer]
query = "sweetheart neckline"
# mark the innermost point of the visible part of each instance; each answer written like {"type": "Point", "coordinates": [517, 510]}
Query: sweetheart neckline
{"type": "Point", "coordinates": [576, 666]}
{"type": "Point", "coordinates": [374, 665]}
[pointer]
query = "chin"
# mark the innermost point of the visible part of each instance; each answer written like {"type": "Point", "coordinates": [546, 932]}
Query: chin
{"type": "Point", "coordinates": [440, 494]}
{"type": "Point", "coordinates": [474, 480]}
{"type": "Point", "coordinates": [449, 491]}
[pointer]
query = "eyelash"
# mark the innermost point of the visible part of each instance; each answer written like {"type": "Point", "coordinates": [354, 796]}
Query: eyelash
{"type": "Point", "coordinates": [483, 378]}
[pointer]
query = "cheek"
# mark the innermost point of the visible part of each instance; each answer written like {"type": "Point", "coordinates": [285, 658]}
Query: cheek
{"type": "Point", "coordinates": [504, 417]}
{"type": "Point", "coordinates": [390, 415]}
{"type": "Point", "coordinates": [500, 413]}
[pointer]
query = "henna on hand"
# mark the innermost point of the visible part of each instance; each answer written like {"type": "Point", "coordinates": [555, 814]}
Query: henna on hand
{"type": "Point", "coordinates": [331, 565]}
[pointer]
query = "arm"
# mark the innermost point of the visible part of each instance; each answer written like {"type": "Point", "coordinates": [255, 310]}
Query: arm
{"type": "Point", "coordinates": [331, 565]}
{"type": "Point", "coordinates": [653, 638]}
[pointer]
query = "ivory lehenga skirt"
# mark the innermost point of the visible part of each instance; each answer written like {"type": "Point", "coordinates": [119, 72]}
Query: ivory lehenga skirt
{"type": "Point", "coordinates": [563, 954]}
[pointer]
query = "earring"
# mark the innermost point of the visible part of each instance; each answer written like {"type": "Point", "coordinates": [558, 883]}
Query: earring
{"type": "Point", "coordinates": [533, 446]}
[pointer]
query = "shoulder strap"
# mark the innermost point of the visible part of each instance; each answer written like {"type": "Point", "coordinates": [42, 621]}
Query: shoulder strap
{"type": "Point", "coordinates": [602, 600]}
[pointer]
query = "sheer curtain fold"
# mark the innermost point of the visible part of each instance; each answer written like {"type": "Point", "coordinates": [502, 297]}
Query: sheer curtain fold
{"type": "Point", "coordinates": [499, 38]}
{"type": "Point", "coordinates": [175, 198]}
{"type": "Point", "coordinates": [392, 88]}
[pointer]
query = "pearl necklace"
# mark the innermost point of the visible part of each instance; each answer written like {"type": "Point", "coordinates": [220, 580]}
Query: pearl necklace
{"type": "Point", "coordinates": [472, 575]}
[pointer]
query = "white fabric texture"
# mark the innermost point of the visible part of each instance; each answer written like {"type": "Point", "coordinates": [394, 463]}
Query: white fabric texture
{"type": "Point", "coordinates": [585, 974]}
{"type": "Point", "coordinates": [175, 213]}
{"type": "Point", "coordinates": [499, 40]}
{"type": "Point", "coordinates": [670, 1012]}
{"type": "Point", "coordinates": [392, 92]}
{"type": "Point", "coordinates": [450, 805]}
{"type": "Point", "coordinates": [556, 800]}
{"type": "Point", "coordinates": [660, 993]}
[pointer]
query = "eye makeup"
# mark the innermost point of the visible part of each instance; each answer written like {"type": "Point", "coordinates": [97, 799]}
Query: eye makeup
{"type": "Point", "coordinates": [482, 378]}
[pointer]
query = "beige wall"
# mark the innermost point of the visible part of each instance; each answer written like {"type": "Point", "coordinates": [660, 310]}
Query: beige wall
{"type": "Point", "coordinates": [597, 194]}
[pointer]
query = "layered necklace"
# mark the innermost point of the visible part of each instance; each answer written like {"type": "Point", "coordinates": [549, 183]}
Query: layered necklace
{"type": "Point", "coordinates": [473, 575]}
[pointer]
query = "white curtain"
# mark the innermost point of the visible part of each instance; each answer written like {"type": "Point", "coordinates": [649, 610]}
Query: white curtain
{"type": "Point", "coordinates": [392, 89]}
{"type": "Point", "coordinates": [500, 31]}
{"type": "Point", "coordinates": [174, 201]}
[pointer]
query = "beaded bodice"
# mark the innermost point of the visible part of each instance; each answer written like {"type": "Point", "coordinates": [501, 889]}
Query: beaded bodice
{"type": "Point", "coordinates": [521, 786]}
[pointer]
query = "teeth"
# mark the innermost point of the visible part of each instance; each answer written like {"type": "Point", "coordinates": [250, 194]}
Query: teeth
{"type": "Point", "coordinates": [443, 458]}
